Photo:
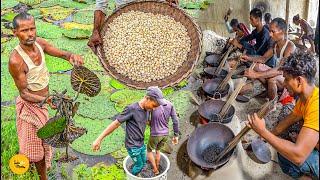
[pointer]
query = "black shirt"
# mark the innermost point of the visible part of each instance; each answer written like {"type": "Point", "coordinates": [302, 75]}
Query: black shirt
{"type": "Point", "coordinates": [263, 40]}
{"type": "Point", "coordinates": [136, 119]}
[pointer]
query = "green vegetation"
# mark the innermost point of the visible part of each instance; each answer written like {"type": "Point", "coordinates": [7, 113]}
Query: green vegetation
{"type": "Point", "coordinates": [8, 113]}
{"type": "Point", "coordinates": [5, 4]}
{"type": "Point", "coordinates": [77, 34]}
{"type": "Point", "coordinates": [110, 144]}
{"type": "Point", "coordinates": [9, 16]}
{"type": "Point", "coordinates": [116, 84]}
{"type": "Point", "coordinates": [56, 126]}
{"type": "Point", "coordinates": [126, 97]}
{"type": "Point", "coordinates": [98, 172]}
{"type": "Point", "coordinates": [48, 30]}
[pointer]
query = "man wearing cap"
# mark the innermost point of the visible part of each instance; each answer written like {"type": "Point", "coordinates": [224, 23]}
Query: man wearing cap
{"type": "Point", "coordinates": [160, 128]}
{"type": "Point", "coordinates": [135, 116]}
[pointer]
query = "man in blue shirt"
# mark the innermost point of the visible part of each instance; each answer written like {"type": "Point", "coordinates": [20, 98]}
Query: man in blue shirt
{"type": "Point", "coordinates": [260, 34]}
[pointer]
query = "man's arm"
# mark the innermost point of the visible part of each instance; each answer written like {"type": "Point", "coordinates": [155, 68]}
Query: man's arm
{"type": "Point", "coordinates": [99, 16]}
{"type": "Point", "coordinates": [295, 152]}
{"type": "Point", "coordinates": [285, 123]}
{"type": "Point", "coordinates": [53, 51]}
{"type": "Point", "coordinates": [259, 59]}
{"type": "Point", "coordinates": [175, 121]}
{"type": "Point", "coordinates": [114, 125]}
{"type": "Point", "coordinates": [20, 79]}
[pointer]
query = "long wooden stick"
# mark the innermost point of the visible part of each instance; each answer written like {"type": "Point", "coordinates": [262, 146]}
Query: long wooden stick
{"type": "Point", "coordinates": [261, 113]}
{"type": "Point", "coordinates": [225, 81]}
{"type": "Point", "coordinates": [231, 99]}
{"type": "Point", "coordinates": [222, 62]}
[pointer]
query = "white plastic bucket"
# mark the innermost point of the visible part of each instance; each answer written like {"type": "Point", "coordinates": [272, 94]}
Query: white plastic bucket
{"type": "Point", "coordinates": [162, 176]}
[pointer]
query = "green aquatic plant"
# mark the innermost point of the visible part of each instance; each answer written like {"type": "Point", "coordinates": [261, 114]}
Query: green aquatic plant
{"type": "Point", "coordinates": [110, 144]}
{"type": "Point", "coordinates": [48, 30]}
{"type": "Point", "coordinates": [8, 113]}
{"type": "Point", "coordinates": [55, 13]}
{"type": "Point", "coordinates": [5, 4]}
{"type": "Point", "coordinates": [98, 172]}
{"type": "Point", "coordinates": [8, 16]}
{"type": "Point", "coordinates": [63, 3]}
{"type": "Point", "coordinates": [116, 84]}
{"type": "Point", "coordinates": [9, 90]}
{"type": "Point", "coordinates": [77, 34]}
{"type": "Point", "coordinates": [126, 97]}
{"type": "Point", "coordinates": [55, 125]}
{"type": "Point", "coordinates": [84, 17]}
{"type": "Point", "coordinates": [167, 91]}
{"type": "Point", "coordinates": [31, 2]}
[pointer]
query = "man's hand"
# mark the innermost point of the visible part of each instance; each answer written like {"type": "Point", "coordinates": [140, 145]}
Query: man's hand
{"type": "Point", "coordinates": [235, 43]}
{"type": "Point", "coordinates": [226, 17]}
{"type": "Point", "coordinates": [175, 140]}
{"type": "Point", "coordinates": [257, 124]}
{"type": "Point", "coordinates": [173, 2]}
{"type": "Point", "coordinates": [96, 145]}
{"type": "Point", "coordinates": [94, 40]}
{"type": "Point", "coordinates": [250, 74]}
{"type": "Point", "coordinates": [245, 58]}
{"type": "Point", "coordinates": [49, 102]}
{"type": "Point", "coordinates": [76, 60]}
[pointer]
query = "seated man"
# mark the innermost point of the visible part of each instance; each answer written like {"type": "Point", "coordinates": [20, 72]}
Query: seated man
{"type": "Point", "coordinates": [240, 29]}
{"type": "Point", "coordinates": [271, 77]}
{"type": "Point", "coordinates": [301, 156]}
{"type": "Point", "coordinates": [267, 20]}
{"type": "Point", "coordinates": [260, 34]}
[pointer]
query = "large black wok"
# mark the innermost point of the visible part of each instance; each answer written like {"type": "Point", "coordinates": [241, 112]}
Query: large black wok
{"type": "Point", "coordinates": [210, 72]}
{"type": "Point", "coordinates": [203, 144]}
{"type": "Point", "coordinates": [209, 111]}
{"type": "Point", "coordinates": [210, 88]}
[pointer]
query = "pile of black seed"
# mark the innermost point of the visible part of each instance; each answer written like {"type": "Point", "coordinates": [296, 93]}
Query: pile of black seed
{"type": "Point", "coordinates": [211, 152]}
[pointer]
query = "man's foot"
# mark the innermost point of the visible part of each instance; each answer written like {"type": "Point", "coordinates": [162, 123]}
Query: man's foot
{"type": "Point", "coordinates": [156, 172]}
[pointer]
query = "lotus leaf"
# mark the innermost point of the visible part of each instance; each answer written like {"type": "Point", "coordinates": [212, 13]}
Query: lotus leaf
{"type": "Point", "coordinates": [92, 61]}
{"type": "Point", "coordinates": [36, 13]}
{"type": "Point", "coordinates": [8, 89]}
{"type": "Point", "coordinates": [98, 171]}
{"type": "Point", "coordinates": [110, 144]}
{"type": "Point", "coordinates": [85, 81]}
{"type": "Point", "coordinates": [73, 25]}
{"type": "Point", "coordinates": [48, 30]}
{"type": "Point", "coordinates": [7, 32]}
{"type": "Point", "coordinates": [98, 107]}
{"type": "Point", "coordinates": [120, 154]}
{"type": "Point", "coordinates": [63, 3]}
{"type": "Point", "coordinates": [180, 100]}
{"type": "Point", "coordinates": [182, 83]}
{"type": "Point", "coordinates": [167, 91]}
{"type": "Point", "coordinates": [9, 16]}
{"type": "Point", "coordinates": [116, 84]}
{"type": "Point", "coordinates": [54, 126]}
{"type": "Point", "coordinates": [147, 135]}
{"type": "Point", "coordinates": [60, 82]}
{"type": "Point", "coordinates": [77, 33]}
{"type": "Point", "coordinates": [76, 46]}
{"type": "Point", "coordinates": [31, 2]}
{"type": "Point", "coordinates": [8, 48]}
{"type": "Point", "coordinates": [8, 4]}
{"type": "Point", "coordinates": [9, 146]}
{"type": "Point", "coordinates": [8, 113]}
{"type": "Point", "coordinates": [126, 97]}
{"type": "Point", "coordinates": [4, 40]}
{"type": "Point", "coordinates": [84, 16]}
{"type": "Point", "coordinates": [55, 64]}
{"type": "Point", "coordinates": [56, 12]}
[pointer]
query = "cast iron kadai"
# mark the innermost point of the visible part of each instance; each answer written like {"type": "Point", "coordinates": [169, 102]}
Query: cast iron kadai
{"type": "Point", "coordinates": [260, 149]}
{"type": "Point", "coordinates": [209, 87]}
{"type": "Point", "coordinates": [206, 141]}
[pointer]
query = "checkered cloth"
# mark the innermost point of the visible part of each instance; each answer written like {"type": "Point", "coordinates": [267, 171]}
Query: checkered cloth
{"type": "Point", "coordinates": [30, 118]}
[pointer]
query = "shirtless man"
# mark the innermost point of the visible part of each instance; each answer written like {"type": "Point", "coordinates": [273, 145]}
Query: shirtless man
{"type": "Point", "coordinates": [306, 32]}
{"type": "Point", "coordinates": [272, 78]}
{"type": "Point", "coordinates": [28, 69]}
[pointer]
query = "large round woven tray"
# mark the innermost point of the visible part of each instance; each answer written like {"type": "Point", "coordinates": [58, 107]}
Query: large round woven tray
{"type": "Point", "coordinates": [156, 7]}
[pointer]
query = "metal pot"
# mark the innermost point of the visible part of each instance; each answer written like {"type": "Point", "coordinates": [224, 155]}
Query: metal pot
{"type": "Point", "coordinates": [209, 87]}
{"type": "Point", "coordinates": [209, 112]}
{"type": "Point", "coordinates": [213, 59]}
{"type": "Point", "coordinates": [208, 136]}
{"type": "Point", "coordinates": [209, 72]}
